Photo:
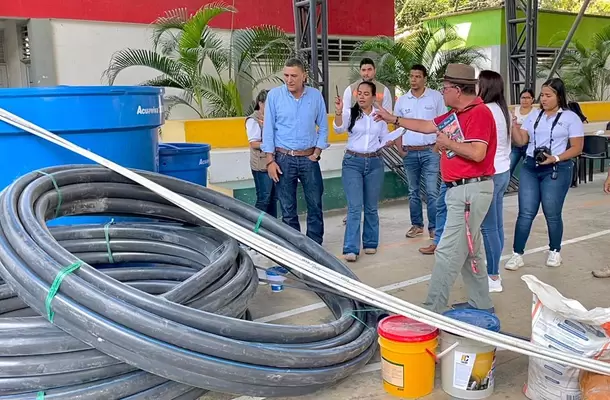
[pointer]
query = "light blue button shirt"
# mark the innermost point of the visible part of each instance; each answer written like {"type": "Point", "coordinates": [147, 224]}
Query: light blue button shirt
{"type": "Point", "coordinates": [291, 123]}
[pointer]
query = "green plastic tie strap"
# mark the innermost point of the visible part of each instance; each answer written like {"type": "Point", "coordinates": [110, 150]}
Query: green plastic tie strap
{"type": "Point", "coordinates": [257, 227]}
{"type": "Point", "coordinates": [40, 396]}
{"type": "Point", "coordinates": [59, 196]}
{"type": "Point", "coordinates": [55, 286]}
{"type": "Point", "coordinates": [107, 236]}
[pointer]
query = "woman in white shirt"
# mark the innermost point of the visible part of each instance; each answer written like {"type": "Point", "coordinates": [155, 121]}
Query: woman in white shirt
{"type": "Point", "coordinates": [491, 90]}
{"type": "Point", "coordinates": [266, 197]}
{"type": "Point", "coordinates": [521, 112]}
{"type": "Point", "coordinates": [554, 135]}
{"type": "Point", "coordinates": [363, 171]}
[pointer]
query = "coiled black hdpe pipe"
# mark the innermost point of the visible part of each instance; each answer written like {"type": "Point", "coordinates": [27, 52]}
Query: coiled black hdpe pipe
{"type": "Point", "coordinates": [167, 320]}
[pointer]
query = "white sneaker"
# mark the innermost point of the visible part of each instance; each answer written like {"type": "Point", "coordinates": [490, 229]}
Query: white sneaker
{"type": "Point", "coordinates": [554, 259]}
{"type": "Point", "coordinates": [515, 262]}
{"type": "Point", "coordinates": [495, 286]}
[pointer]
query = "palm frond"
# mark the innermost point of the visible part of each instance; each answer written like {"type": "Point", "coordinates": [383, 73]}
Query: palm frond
{"type": "Point", "coordinates": [162, 81]}
{"type": "Point", "coordinates": [258, 53]}
{"type": "Point", "coordinates": [221, 98]}
{"type": "Point", "coordinates": [172, 20]}
{"type": "Point", "coordinates": [185, 100]}
{"type": "Point", "coordinates": [128, 58]}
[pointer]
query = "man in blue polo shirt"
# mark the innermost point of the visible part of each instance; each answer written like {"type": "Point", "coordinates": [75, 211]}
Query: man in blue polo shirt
{"type": "Point", "coordinates": [295, 132]}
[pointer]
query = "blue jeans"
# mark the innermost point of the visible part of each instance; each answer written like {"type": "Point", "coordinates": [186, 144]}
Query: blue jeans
{"type": "Point", "coordinates": [422, 164]}
{"type": "Point", "coordinates": [516, 154]}
{"type": "Point", "coordinates": [536, 187]}
{"type": "Point", "coordinates": [493, 224]}
{"type": "Point", "coordinates": [295, 169]}
{"type": "Point", "coordinates": [266, 196]}
{"type": "Point", "coordinates": [441, 213]}
{"type": "Point", "coordinates": [362, 181]}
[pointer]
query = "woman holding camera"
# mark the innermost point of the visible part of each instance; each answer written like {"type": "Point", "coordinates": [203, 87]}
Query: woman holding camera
{"type": "Point", "coordinates": [554, 136]}
{"type": "Point", "coordinates": [362, 171]}
{"type": "Point", "coordinates": [491, 91]}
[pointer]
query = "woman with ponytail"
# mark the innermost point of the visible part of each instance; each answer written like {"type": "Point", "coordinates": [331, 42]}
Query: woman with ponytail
{"type": "Point", "coordinates": [362, 171]}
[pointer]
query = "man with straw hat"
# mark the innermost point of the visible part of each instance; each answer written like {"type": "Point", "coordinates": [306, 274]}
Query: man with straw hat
{"type": "Point", "coordinates": [466, 138]}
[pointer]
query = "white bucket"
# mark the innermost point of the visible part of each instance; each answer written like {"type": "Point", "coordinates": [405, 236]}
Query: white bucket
{"type": "Point", "coordinates": [467, 370]}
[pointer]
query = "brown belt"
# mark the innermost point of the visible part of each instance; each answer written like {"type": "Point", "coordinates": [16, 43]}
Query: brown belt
{"type": "Point", "coordinates": [417, 148]}
{"type": "Point", "coordinates": [364, 155]}
{"type": "Point", "coordinates": [295, 153]}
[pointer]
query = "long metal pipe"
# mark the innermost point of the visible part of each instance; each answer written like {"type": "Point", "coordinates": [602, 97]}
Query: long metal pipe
{"type": "Point", "coordinates": [566, 43]}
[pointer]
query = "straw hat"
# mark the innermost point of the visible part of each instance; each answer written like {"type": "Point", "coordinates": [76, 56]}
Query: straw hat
{"type": "Point", "coordinates": [461, 74]}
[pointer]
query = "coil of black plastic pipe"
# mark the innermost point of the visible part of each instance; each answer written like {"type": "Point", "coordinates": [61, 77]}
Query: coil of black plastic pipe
{"type": "Point", "coordinates": [160, 309]}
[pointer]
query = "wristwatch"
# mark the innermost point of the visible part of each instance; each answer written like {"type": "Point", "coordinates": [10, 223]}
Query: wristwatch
{"type": "Point", "coordinates": [557, 159]}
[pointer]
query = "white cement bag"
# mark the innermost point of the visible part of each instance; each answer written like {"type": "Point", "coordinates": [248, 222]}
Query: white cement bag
{"type": "Point", "coordinates": [564, 325]}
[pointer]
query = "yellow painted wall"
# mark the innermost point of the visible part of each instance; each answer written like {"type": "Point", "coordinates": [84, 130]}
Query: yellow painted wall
{"type": "Point", "coordinates": [226, 133]}
{"type": "Point", "coordinates": [173, 132]}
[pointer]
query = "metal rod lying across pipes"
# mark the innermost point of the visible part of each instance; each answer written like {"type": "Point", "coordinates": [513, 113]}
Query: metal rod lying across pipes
{"type": "Point", "coordinates": [352, 288]}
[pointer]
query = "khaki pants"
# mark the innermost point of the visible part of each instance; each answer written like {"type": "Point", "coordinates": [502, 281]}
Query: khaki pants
{"type": "Point", "coordinates": [452, 255]}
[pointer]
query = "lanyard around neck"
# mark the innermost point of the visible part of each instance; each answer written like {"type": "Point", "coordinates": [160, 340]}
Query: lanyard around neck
{"type": "Point", "coordinates": [552, 127]}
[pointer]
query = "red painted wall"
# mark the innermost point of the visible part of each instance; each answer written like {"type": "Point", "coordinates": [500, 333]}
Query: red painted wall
{"type": "Point", "coordinates": [346, 17]}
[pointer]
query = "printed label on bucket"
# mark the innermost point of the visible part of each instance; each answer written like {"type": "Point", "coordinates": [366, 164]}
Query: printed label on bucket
{"type": "Point", "coordinates": [473, 371]}
{"type": "Point", "coordinates": [394, 374]}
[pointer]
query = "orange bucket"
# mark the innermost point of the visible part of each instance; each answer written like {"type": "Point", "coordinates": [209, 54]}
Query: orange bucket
{"type": "Point", "coordinates": [408, 360]}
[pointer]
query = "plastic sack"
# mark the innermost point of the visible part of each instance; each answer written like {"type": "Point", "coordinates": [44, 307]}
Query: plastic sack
{"type": "Point", "coordinates": [564, 325]}
{"type": "Point", "coordinates": [594, 386]}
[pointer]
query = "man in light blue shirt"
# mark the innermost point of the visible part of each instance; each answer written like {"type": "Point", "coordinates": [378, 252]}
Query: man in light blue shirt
{"type": "Point", "coordinates": [295, 132]}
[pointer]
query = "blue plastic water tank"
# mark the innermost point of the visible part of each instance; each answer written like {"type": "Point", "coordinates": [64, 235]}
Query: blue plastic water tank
{"type": "Point", "coordinates": [186, 161]}
{"type": "Point", "coordinates": [118, 123]}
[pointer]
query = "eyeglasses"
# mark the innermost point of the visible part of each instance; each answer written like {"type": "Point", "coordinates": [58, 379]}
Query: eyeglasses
{"type": "Point", "coordinates": [444, 88]}
{"type": "Point", "coordinates": [527, 98]}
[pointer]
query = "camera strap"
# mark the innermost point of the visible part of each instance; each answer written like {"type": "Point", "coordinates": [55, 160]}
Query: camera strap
{"type": "Point", "coordinates": [555, 121]}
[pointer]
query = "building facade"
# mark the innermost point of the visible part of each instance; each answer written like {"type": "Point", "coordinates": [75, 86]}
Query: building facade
{"type": "Point", "coordinates": [70, 42]}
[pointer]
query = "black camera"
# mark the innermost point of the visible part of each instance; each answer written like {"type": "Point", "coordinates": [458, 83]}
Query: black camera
{"type": "Point", "coordinates": [539, 154]}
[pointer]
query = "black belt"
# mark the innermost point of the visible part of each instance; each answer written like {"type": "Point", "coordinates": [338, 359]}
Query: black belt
{"type": "Point", "coordinates": [364, 155]}
{"type": "Point", "coordinates": [460, 182]}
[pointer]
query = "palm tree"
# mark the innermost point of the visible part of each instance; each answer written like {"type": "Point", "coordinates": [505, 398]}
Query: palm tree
{"type": "Point", "coordinates": [184, 44]}
{"type": "Point", "coordinates": [585, 70]}
{"type": "Point", "coordinates": [435, 45]}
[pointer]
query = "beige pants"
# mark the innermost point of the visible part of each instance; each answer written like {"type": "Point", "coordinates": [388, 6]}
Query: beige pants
{"type": "Point", "coordinates": [452, 255]}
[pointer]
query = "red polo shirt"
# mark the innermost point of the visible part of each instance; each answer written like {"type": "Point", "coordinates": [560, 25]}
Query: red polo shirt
{"type": "Point", "coordinates": [478, 125]}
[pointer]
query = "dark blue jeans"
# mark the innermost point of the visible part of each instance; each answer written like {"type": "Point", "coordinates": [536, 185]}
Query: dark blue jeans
{"type": "Point", "coordinates": [441, 213]}
{"type": "Point", "coordinates": [536, 187]}
{"type": "Point", "coordinates": [266, 196]}
{"type": "Point", "coordinates": [362, 181]}
{"type": "Point", "coordinates": [301, 169]}
{"type": "Point", "coordinates": [422, 164]}
{"type": "Point", "coordinates": [493, 225]}
{"type": "Point", "coordinates": [517, 153]}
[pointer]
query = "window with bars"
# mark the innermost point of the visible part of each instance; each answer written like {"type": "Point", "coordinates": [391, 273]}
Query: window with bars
{"type": "Point", "coordinates": [339, 49]}
{"type": "Point", "coordinates": [24, 44]}
{"type": "Point", "coordinates": [2, 52]}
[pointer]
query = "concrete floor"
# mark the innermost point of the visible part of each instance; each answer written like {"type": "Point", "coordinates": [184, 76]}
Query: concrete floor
{"type": "Point", "coordinates": [402, 271]}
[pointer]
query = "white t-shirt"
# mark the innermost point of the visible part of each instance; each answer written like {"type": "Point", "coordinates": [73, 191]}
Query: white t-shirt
{"type": "Point", "coordinates": [502, 159]}
{"type": "Point", "coordinates": [568, 126]}
{"type": "Point", "coordinates": [253, 130]}
{"type": "Point", "coordinates": [521, 117]}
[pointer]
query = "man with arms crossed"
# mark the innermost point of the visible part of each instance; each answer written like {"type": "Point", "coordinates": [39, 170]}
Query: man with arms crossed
{"type": "Point", "coordinates": [416, 149]}
{"type": "Point", "coordinates": [293, 146]}
{"type": "Point", "coordinates": [467, 172]}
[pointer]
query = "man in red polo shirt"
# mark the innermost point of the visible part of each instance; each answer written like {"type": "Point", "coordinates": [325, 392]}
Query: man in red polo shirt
{"type": "Point", "coordinates": [467, 167]}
